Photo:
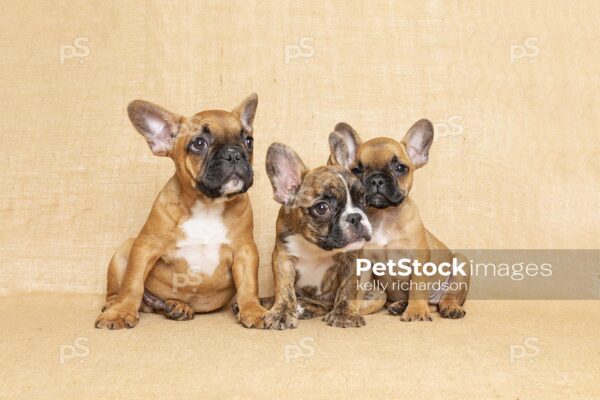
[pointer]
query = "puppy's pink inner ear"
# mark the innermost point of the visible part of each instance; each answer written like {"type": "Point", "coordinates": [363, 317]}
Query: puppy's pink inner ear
{"type": "Point", "coordinates": [160, 138]}
{"type": "Point", "coordinates": [287, 183]}
{"type": "Point", "coordinates": [417, 157]}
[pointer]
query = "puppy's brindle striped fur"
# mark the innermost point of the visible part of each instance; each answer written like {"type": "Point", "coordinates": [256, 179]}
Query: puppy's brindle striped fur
{"type": "Point", "coordinates": [320, 228]}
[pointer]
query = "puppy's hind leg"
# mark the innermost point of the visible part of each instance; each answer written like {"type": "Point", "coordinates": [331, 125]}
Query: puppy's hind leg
{"type": "Point", "coordinates": [373, 301]}
{"type": "Point", "coordinates": [308, 308]}
{"type": "Point", "coordinates": [266, 302]}
{"type": "Point", "coordinates": [178, 310]}
{"type": "Point", "coordinates": [451, 303]}
{"type": "Point", "coordinates": [116, 271]}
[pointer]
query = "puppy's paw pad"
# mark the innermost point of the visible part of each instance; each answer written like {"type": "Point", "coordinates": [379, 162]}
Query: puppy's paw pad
{"type": "Point", "coordinates": [252, 318]}
{"type": "Point", "coordinates": [341, 320]}
{"type": "Point", "coordinates": [453, 311]}
{"type": "Point", "coordinates": [116, 319]}
{"type": "Point", "coordinates": [109, 302]}
{"type": "Point", "coordinates": [397, 308]}
{"type": "Point", "coordinates": [305, 314]}
{"type": "Point", "coordinates": [415, 315]}
{"type": "Point", "coordinates": [178, 310]}
{"type": "Point", "coordinates": [235, 309]}
{"type": "Point", "coordinates": [281, 320]}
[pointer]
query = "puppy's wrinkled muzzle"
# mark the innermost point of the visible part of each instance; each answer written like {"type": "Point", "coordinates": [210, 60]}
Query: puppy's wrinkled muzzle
{"type": "Point", "coordinates": [382, 191]}
{"type": "Point", "coordinates": [228, 173]}
{"type": "Point", "coordinates": [357, 228]}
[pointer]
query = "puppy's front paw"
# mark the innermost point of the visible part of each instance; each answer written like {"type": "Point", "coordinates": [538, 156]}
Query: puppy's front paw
{"type": "Point", "coordinates": [452, 311]}
{"type": "Point", "coordinates": [178, 310]}
{"type": "Point", "coordinates": [110, 300]}
{"type": "Point", "coordinates": [117, 317]}
{"type": "Point", "coordinates": [416, 313]}
{"type": "Point", "coordinates": [235, 309]}
{"type": "Point", "coordinates": [344, 319]}
{"type": "Point", "coordinates": [397, 307]}
{"type": "Point", "coordinates": [281, 318]}
{"type": "Point", "coordinates": [252, 317]}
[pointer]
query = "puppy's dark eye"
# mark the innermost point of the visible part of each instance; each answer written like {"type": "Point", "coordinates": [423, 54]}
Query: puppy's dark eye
{"type": "Point", "coordinates": [198, 145]}
{"type": "Point", "coordinates": [401, 168]}
{"type": "Point", "coordinates": [320, 209]}
{"type": "Point", "coordinates": [356, 171]}
{"type": "Point", "coordinates": [249, 142]}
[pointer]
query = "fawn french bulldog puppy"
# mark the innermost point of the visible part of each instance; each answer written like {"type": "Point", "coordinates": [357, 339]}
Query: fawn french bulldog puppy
{"type": "Point", "coordinates": [200, 225]}
{"type": "Point", "coordinates": [320, 226]}
{"type": "Point", "coordinates": [386, 167]}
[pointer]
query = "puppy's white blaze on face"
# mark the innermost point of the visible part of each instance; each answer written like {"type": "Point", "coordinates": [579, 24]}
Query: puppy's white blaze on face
{"type": "Point", "coordinates": [233, 186]}
{"type": "Point", "coordinates": [312, 263]}
{"type": "Point", "coordinates": [204, 233]}
{"type": "Point", "coordinates": [351, 209]}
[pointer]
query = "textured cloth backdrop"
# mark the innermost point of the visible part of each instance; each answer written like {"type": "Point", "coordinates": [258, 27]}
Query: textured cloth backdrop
{"type": "Point", "coordinates": [511, 87]}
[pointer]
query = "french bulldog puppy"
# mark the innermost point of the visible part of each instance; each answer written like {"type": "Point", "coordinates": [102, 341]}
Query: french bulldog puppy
{"type": "Point", "coordinates": [386, 168]}
{"type": "Point", "coordinates": [197, 246]}
{"type": "Point", "coordinates": [320, 227]}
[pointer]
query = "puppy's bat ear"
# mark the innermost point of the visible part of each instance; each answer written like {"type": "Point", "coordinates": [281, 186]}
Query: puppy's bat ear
{"type": "Point", "coordinates": [158, 126]}
{"type": "Point", "coordinates": [286, 172]}
{"type": "Point", "coordinates": [247, 110]}
{"type": "Point", "coordinates": [343, 145]}
{"type": "Point", "coordinates": [418, 140]}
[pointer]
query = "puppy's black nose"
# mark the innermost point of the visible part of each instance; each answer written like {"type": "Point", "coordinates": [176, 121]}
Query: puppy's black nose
{"type": "Point", "coordinates": [354, 219]}
{"type": "Point", "coordinates": [376, 180]}
{"type": "Point", "coordinates": [233, 154]}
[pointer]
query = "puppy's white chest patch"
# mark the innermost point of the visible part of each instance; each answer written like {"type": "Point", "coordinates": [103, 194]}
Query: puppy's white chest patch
{"type": "Point", "coordinates": [380, 237]}
{"type": "Point", "coordinates": [381, 233]}
{"type": "Point", "coordinates": [204, 234]}
{"type": "Point", "coordinates": [313, 262]}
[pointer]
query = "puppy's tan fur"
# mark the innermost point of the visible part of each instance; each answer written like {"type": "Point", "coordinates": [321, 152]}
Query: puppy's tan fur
{"type": "Point", "coordinates": [398, 230]}
{"type": "Point", "coordinates": [151, 261]}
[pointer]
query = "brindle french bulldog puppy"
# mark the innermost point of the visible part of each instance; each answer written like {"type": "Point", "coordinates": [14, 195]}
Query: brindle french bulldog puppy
{"type": "Point", "coordinates": [320, 226]}
{"type": "Point", "coordinates": [386, 168]}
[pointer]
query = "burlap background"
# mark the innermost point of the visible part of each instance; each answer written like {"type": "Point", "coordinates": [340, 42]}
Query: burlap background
{"type": "Point", "coordinates": [516, 164]}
